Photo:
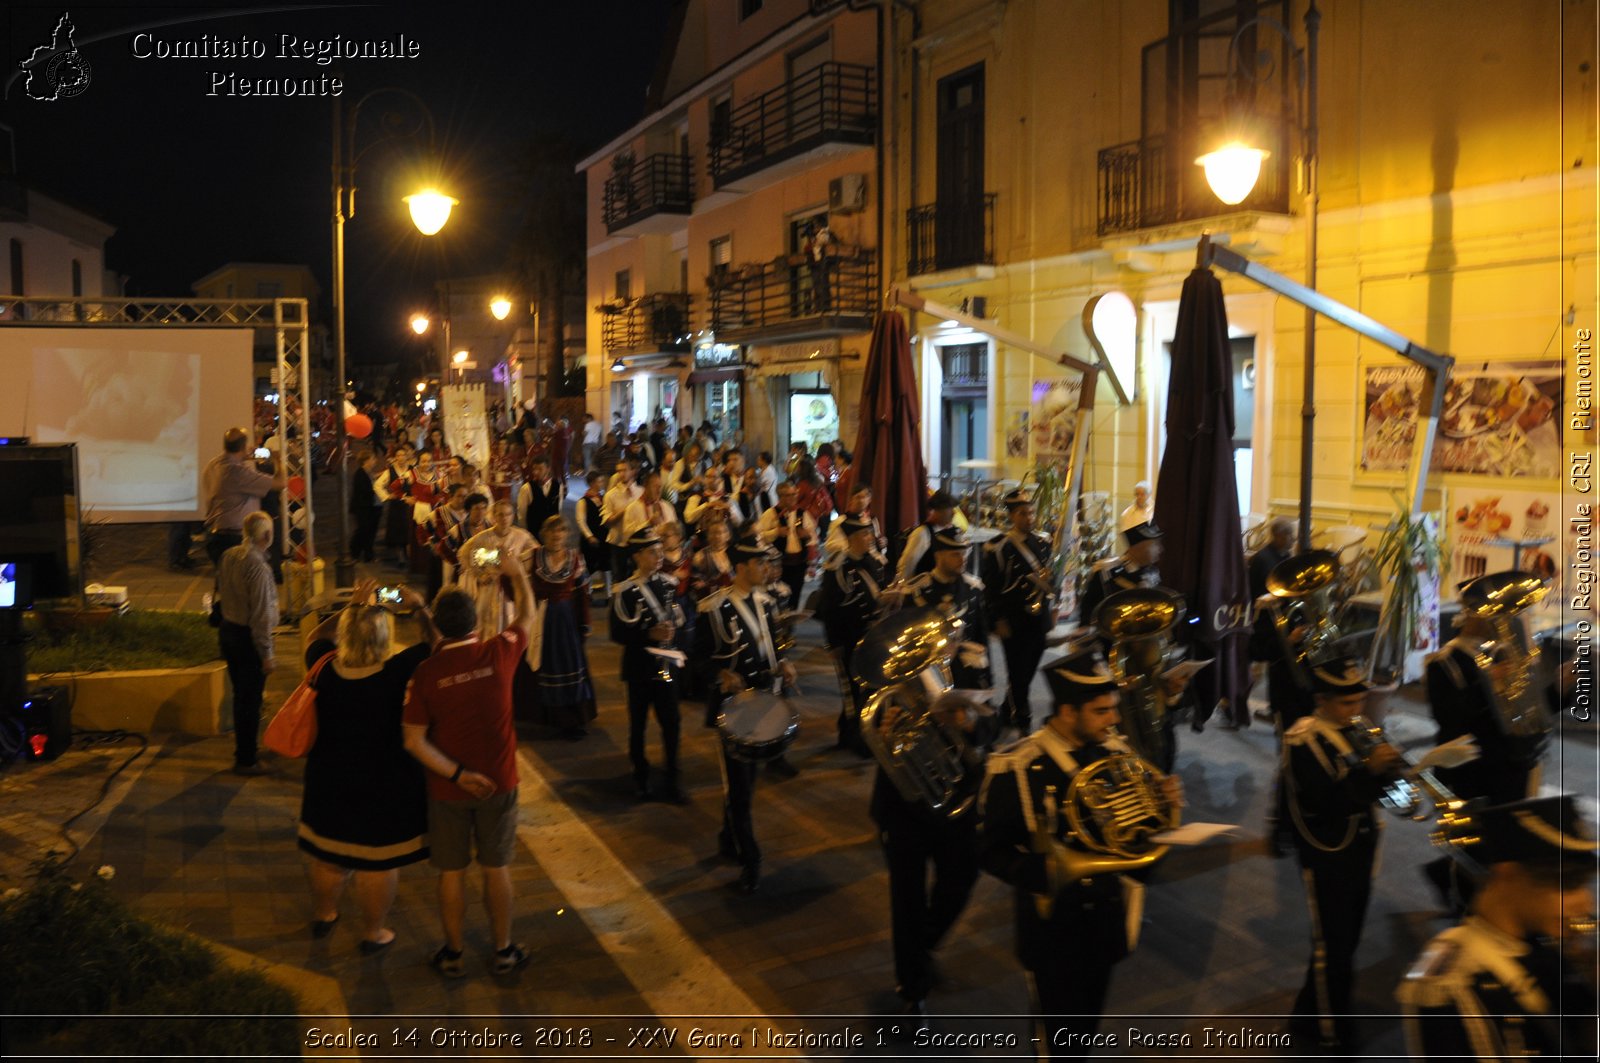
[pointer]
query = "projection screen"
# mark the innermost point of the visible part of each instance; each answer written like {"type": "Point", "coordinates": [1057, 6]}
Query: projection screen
{"type": "Point", "coordinates": [147, 408]}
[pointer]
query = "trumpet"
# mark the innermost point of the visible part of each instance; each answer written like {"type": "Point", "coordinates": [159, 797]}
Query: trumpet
{"type": "Point", "coordinates": [1409, 792]}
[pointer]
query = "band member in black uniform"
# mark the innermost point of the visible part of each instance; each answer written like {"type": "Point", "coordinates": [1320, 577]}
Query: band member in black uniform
{"type": "Point", "coordinates": [915, 837]}
{"type": "Point", "coordinates": [1500, 984]}
{"type": "Point", "coordinates": [1071, 928]}
{"type": "Point", "coordinates": [1467, 700]}
{"type": "Point", "coordinates": [1286, 701]}
{"type": "Point", "coordinates": [1136, 567]}
{"type": "Point", "coordinates": [1332, 776]}
{"type": "Point", "coordinates": [916, 557]}
{"type": "Point", "coordinates": [644, 614]}
{"type": "Point", "coordinates": [1016, 581]}
{"type": "Point", "coordinates": [736, 641]}
{"type": "Point", "coordinates": [851, 594]}
{"type": "Point", "coordinates": [948, 588]}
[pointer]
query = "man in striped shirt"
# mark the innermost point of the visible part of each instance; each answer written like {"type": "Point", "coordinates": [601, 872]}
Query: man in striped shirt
{"type": "Point", "coordinates": [249, 613]}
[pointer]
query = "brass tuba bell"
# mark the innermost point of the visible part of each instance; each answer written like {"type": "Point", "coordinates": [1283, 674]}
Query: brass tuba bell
{"type": "Point", "coordinates": [1507, 663]}
{"type": "Point", "coordinates": [1138, 623]}
{"type": "Point", "coordinates": [1302, 584]}
{"type": "Point", "coordinates": [906, 658]}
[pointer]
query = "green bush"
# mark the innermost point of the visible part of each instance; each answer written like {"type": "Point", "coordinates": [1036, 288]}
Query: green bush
{"type": "Point", "coordinates": [139, 638]}
{"type": "Point", "coordinates": [72, 949]}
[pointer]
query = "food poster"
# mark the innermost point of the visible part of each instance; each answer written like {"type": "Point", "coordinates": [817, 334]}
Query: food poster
{"type": "Point", "coordinates": [1055, 418]}
{"type": "Point", "coordinates": [1484, 525]}
{"type": "Point", "coordinates": [1501, 420]}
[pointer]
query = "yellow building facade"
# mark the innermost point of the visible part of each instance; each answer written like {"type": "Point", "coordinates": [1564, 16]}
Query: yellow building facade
{"type": "Point", "coordinates": [1457, 158]}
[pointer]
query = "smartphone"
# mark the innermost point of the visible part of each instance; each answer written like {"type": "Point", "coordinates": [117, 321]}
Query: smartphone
{"type": "Point", "coordinates": [262, 453]}
{"type": "Point", "coordinates": [484, 557]}
{"type": "Point", "coordinates": [388, 595]}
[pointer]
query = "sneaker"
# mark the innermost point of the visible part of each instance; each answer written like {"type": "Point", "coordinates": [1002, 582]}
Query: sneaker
{"type": "Point", "coordinates": [448, 962]}
{"type": "Point", "coordinates": [510, 959]}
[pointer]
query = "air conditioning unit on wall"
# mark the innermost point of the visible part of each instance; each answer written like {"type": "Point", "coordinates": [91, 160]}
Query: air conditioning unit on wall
{"type": "Point", "coordinates": [847, 194]}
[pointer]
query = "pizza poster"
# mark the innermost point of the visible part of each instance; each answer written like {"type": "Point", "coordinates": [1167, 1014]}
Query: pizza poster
{"type": "Point", "coordinates": [1501, 420]}
{"type": "Point", "coordinates": [1055, 417]}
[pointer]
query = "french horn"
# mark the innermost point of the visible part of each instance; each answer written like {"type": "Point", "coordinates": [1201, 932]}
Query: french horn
{"type": "Point", "coordinates": [905, 660]}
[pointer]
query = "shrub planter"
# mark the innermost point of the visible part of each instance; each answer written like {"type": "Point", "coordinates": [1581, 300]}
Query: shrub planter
{"type": "Point", "coordinates": [193, 700]}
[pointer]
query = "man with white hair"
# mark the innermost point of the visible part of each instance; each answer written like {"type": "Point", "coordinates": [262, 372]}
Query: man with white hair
{"type": "Point", "coordinates": [1143, 510]}
{"type": "Point", "coordinates": [249, 612]}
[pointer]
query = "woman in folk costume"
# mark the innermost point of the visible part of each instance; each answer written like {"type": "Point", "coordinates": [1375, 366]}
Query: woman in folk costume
{"type": "Point", "coordinates": [563, 688]}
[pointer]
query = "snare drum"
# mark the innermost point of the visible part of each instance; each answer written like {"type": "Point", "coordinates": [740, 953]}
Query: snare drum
{"type": "Point", "coordinates": [757, 727]}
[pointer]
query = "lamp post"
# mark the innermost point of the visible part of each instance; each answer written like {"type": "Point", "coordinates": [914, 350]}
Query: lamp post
{"type": "Point", "coordinates": [1232, 170]}
{"type": "Point", "coordinates": [430, 209]}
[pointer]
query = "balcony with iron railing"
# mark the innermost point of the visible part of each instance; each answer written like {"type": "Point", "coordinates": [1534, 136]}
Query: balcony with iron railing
{"type": "Point", "coordinates": [793, 298]}
{"type": "Point", "coordinates": [651, 324]}
{"type": "Point", "coordinates": [1145, 183]}
{"type": "Point", "coordinates": [831, 106]}
{"type": "Point", "coordinates": [652, 194]}
{"type": "Point", "coordinates": [941, 236]}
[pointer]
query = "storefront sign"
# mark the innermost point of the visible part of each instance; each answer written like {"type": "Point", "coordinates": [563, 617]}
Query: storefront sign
{"type": "Point", "coordinates": [804, 351]}
{"type": "Point", "coordinates": [1504, 420]}
{"type": "Point", "coordinates": [715, 355]}
{"type": "Point", "coordinates": [1055, 417]}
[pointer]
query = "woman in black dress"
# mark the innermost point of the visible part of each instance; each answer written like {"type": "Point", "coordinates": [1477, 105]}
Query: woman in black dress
{"type": "Point", "coordinates": [364, 811]}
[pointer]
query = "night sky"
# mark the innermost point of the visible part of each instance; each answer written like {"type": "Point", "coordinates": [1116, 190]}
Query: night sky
{"type": "Point", "coordinates": [192, 181]}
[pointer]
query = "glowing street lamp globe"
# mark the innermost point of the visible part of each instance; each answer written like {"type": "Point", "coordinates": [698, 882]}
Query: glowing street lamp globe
{"type": "Point", "coordinates": [1232, 170]}
{"type": "Point", "coordinates": [430, 209]}
{"type": "Point", "coordinates": [500, 307]}
{"type": "Point", "coordinates": [459, 357]}
{"type": "Point", "coordinates": [419, 323]}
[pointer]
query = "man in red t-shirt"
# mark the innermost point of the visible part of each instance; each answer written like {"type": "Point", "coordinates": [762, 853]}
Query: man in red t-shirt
{"type": "Point", "coordinates": [458, 724]}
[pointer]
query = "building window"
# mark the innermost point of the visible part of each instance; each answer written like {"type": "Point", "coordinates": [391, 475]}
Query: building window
{"type": "Point", "coordinates": [77, 277]}
{"type": "Point", "coordinates": [965, 364]}
{"type": "Point", "coordinates": [16, 267]}
{"type": "Point", "coordinates": [624, 285]}
{"type": "Point", "coordinates": [721, 258]}
{"type": "Point", "coordinates": [721, 121]}
{"type": "Point", "coordinates": [748, 8]}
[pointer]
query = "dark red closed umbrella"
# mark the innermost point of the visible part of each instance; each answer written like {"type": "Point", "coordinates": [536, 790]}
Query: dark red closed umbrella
{"type": "Point", "coordinates": [888, 452]}
{"type": "Point", "coordinates": [1197, 502]}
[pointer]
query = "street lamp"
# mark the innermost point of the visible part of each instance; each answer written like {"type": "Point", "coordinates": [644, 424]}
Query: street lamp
{"type": "Point", "coordinates": [500, 307]}
{"type": "Point", "coordinates": [1232, 169]}
{"type": "Point", "coordinates": [430, 209]}
{"type": "Point", "coordinates": [420, 323]}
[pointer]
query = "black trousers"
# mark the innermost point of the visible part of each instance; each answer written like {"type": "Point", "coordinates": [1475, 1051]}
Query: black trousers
{"type": "Point", "coordinates": [1338, 886]}
{"type": "Point", "coordinates": [919, 916]}
{"type": "Point", "coordinates": [178, 542]}
{"type": "Point", "coordinates": [853, 696]}
{"type": "Point", "coordinates": [244, 672]}
{"type": "Point", "coordinates": [365, 537]}
{"type": "Point", "coordinates": [642, 696]}
{"type": "Point", "coordinates": [219, 542]}
{"type": "Point", "coordinates": [794, 574]}
{"type": "Point", "coordinates": [1068, 997]}
{"type": "Point", "coordinates": [738, 790]}
{"type": "Point", "coordinates": [1023, 651]}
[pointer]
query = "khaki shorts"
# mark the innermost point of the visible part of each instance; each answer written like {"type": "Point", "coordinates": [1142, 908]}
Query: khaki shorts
{"type": "Point", "coordinates": [454, 827]}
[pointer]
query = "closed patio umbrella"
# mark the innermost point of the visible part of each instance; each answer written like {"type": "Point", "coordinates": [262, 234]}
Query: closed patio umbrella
{"type": "Point", "coordinates": [888, 451]}
{"type": "Point", "coordinates": [1197, 502]}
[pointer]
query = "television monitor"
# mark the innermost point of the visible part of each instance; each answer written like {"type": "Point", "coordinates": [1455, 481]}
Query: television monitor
{"type": "Point", "coordinates": [16, 585]}
{"type": "Point", "coordinates": [39, 520]}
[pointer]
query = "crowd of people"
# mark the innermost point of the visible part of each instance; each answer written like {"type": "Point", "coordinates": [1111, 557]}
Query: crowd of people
{"type": "Point", "coordinates": [701, 560]}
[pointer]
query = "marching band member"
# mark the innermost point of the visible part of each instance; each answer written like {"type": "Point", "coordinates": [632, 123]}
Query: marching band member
{"type": "Point", "coordinates": [644, 615]}
{"type": "Point", "coordinates": [650, 509]}
{"type": "Point", "coordinates": [1136, 567]}
{"type": "Point", "coordinates": [1016, 590]}
{"type": "Point", "coordinates": [852, 590]}
{"type": "Point", "coordinates": [1499, 984]}
{"type": "Point", "coordinates": [1329, 789]}
{"type": "Point", "coordinates": [737, 640]}
{"type": "Point", "coordinates": [793, 532]}
{"type": "Point", "coordinates": [1072, 928]}
{"type": "Point", "coordinates": [948, 588]}
{"type": "Point", "coordinates": [916, 558]}
{"type": "Point", "coordinates": [860, 506]}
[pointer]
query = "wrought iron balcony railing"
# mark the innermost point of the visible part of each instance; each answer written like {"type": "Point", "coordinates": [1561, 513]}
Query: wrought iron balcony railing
{"type": "Point", "coordinates": [652, 323]}
{"type": "Point", "coordinates": [655, 184]}
{"type": "Point", "coordinates": [1144, 183]}
{"type": "Point", "coordinates": [839, 293]}
{"type": "Point", "coordinates": [950, 235]}
{"type": "Point", "coordinates": [831, 103]}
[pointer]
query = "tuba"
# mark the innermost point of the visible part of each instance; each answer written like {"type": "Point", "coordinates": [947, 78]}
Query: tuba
{"type": "Point", "coordinates": [1507, 664]}
{"type": "Point", "coordinates": [907, 658]}
{"type": "Point", "coordinates": [1301, 585]}
{"type": "Point", "coordinates": [1114, 810]}
{"type": "Point", "coordinates": [1138, 623]}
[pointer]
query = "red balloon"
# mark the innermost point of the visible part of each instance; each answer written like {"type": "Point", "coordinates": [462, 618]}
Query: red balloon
{"type": "Point", "coordinates": [358, 426]}
{"type": "Point", "coordinates": [297, 487]}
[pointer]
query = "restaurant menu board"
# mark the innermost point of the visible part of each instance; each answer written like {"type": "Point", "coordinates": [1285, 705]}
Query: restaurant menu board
{"type": "Point", "coordinates": [1484, 525]}
{"type": "Point", "coordinates": [1502, 420]}
{"type": "Point", "coordinates": [1055, 417]}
